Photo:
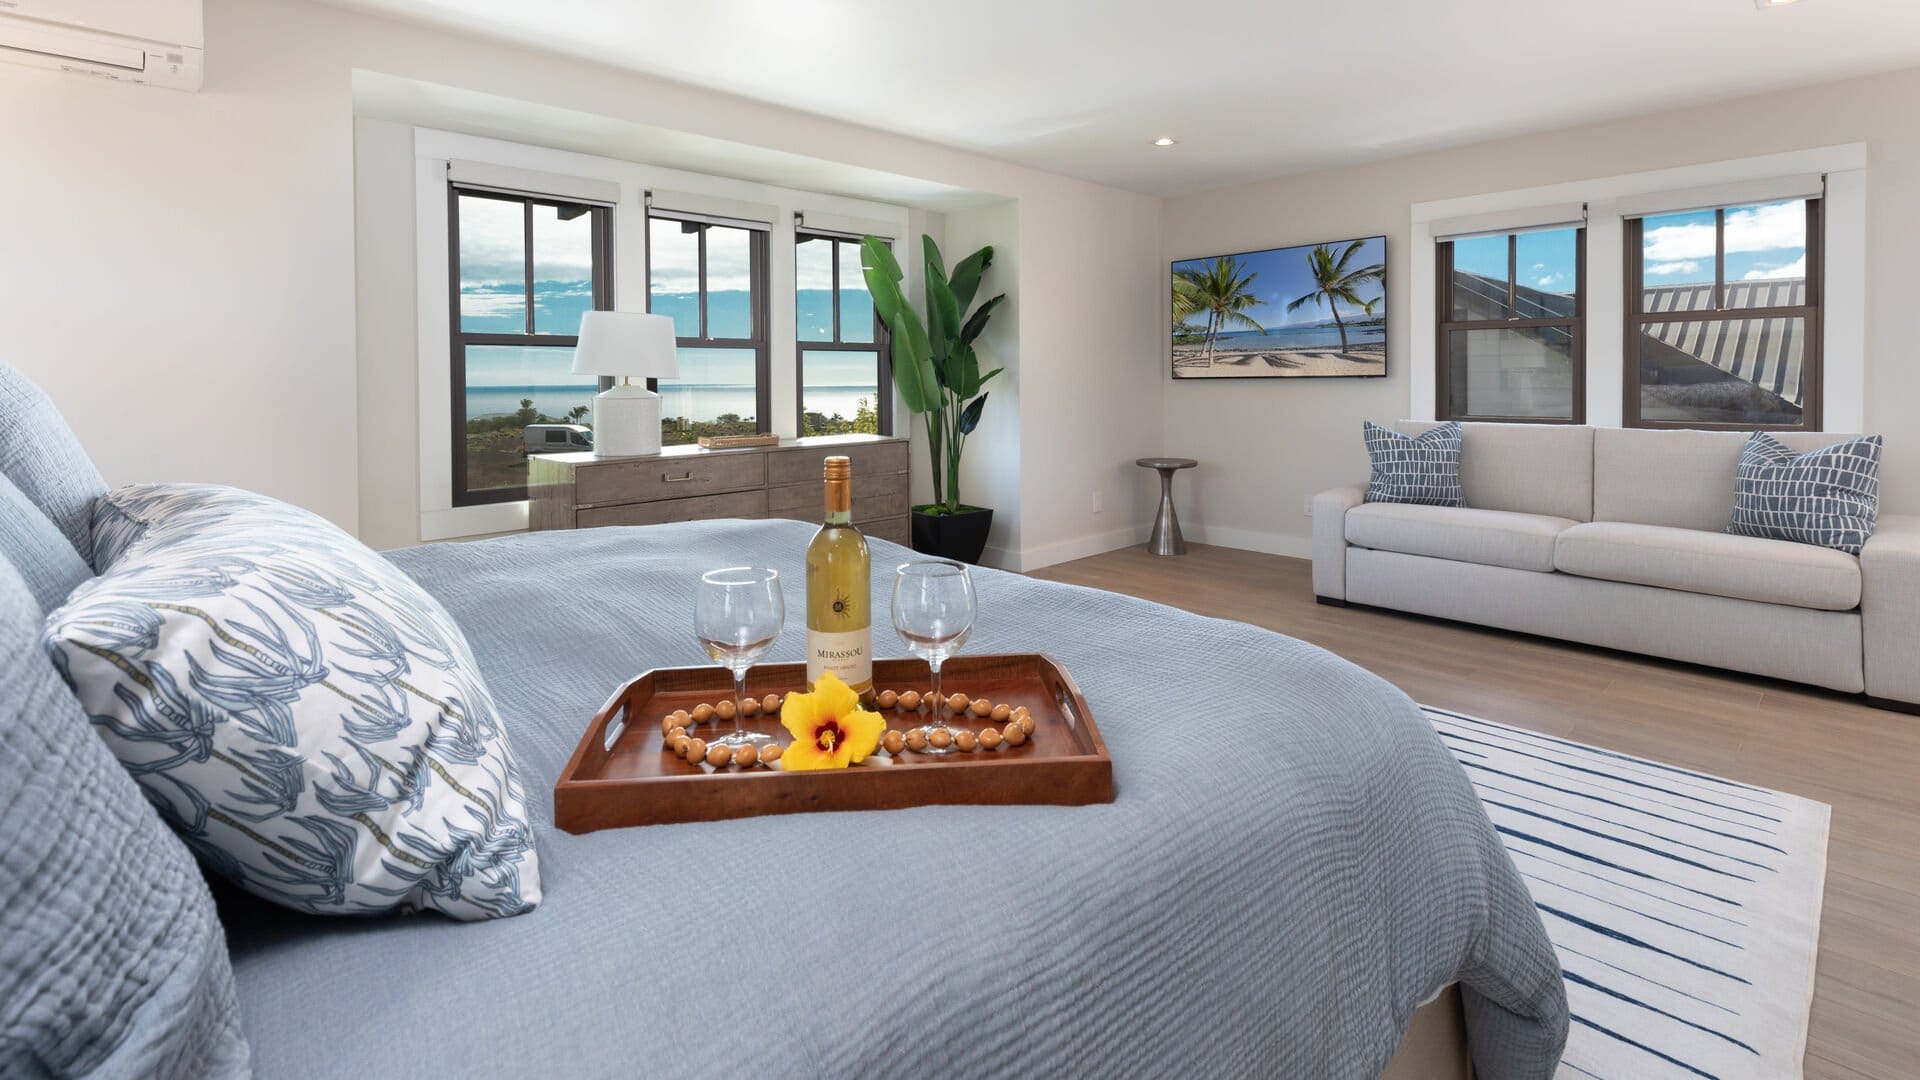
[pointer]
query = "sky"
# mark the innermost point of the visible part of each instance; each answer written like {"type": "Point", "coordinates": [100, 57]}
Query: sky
{"type": "Point", "coordinates": [1763, 242]}
{"type": "Point", "coordinates": [1281, 275]}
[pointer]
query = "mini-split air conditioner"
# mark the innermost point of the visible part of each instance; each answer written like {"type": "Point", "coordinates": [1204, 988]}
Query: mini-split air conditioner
{"type": "Point", "coordinates": [157, 42]}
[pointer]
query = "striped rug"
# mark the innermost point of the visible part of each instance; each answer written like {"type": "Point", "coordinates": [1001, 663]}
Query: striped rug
{"type": "Point", "coordinates": [1685, 908]}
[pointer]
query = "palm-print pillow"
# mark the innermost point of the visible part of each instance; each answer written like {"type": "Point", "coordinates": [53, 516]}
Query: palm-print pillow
{"type": "Point", "coordinates": [303, 713]}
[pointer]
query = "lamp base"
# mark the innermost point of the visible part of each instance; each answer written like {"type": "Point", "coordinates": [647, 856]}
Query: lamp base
{"type": "Point", "coordinates": [626, 421]}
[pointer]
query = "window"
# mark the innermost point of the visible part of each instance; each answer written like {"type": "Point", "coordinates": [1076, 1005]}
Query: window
{"type": "Point", "coordinates": [1512, 341]}
{"type": "Point", "coordinates": [1723, 319]}
{"type": "Point", "coordinates": [524, 269]}
{"type": "Point", "coordinates": [711, 278]}
{"type": "Point", "coordinates": [845, 381]}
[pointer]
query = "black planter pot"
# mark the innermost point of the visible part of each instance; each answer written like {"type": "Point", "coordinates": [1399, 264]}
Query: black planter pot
{"type": "Point", "coordinates": [960, 537]}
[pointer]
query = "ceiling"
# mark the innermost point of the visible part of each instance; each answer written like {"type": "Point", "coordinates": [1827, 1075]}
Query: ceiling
{"type": "Point", "coordinates": [1250, 88]}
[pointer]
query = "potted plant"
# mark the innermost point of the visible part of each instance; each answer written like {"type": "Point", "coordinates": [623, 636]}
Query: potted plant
{"type": "Point", "coordinates": [940, 381]}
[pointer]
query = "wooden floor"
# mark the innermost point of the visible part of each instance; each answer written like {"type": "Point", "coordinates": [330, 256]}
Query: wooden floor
{"type": "Point", "coordinates": [1865, 762]}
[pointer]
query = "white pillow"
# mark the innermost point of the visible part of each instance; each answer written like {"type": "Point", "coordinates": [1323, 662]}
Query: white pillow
{"type": "Point", "coordinates": [300, 710]}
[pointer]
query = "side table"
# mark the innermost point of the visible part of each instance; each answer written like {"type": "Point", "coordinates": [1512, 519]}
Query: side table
{"type": "Point", "coordinates": [1166, 538]}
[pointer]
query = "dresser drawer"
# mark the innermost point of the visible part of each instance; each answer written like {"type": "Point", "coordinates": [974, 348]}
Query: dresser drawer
{"type": "Point", "coordinates": [875, 495]}
{"type": "Point", "coordinates": [800, 464]}
{"type": "Point", "coordinates": [738, 504]}
{"type": "Point", "coordinates": [897, 529]}
{"type": "Point", "coordinates": [676, 477]}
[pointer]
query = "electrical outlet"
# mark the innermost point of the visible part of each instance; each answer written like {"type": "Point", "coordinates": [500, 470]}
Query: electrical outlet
{"type": "Point", "coordinates": [1308, 508]}
{"type": "Point", "coordinates": [1096, 501]}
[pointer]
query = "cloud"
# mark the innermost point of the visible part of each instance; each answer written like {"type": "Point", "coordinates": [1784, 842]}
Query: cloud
{"type": "Point", "coordinates": [1773, 227]}
{"type": "Point", "coordinates": [1795, 269]}
{"type": "Point", "coordinates": [1547, 280]}
{"type": "Point", "coordinates": [1683, 266]}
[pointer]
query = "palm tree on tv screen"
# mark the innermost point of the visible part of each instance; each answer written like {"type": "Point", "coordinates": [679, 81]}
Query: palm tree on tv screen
{"type": "Point", "coordinates": [1333, 283]}
{"type": "Point", "coordinates": [1221, 288]}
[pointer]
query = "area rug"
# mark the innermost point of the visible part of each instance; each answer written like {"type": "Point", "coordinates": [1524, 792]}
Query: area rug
{"type": "Point", "coordinates": [1685, 908]}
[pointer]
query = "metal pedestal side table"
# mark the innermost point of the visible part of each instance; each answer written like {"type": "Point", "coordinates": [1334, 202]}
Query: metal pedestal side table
{"type": "Point", "coordinates": [1166, 538]}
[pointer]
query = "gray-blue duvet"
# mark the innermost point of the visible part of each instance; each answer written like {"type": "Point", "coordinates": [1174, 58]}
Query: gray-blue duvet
{"type": "Point", "coordinates": [1293, 862]}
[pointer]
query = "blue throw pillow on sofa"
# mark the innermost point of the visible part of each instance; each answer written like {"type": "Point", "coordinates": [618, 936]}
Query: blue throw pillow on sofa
{"type": "Point", "coordinates": [1422, 468]}
{"type": "Point", "coordinates": [308, 718]}
{"type": "Point", "coordinates": [1829, 497]}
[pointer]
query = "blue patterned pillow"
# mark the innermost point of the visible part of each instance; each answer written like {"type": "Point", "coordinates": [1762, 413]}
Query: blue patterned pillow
{"type": "Point", "coordinates": [302, 712]}
{"type": "Point", "coordinates": [1829, 497]}
{"type": "Point", "coordinates": [1421, 468]}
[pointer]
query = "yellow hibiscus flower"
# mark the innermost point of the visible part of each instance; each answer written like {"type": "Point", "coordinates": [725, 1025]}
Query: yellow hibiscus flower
{"type": "Point", "coordinates": [830, 730]}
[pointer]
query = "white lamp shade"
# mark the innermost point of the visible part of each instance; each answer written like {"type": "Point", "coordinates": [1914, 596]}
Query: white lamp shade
{"type": "Point", "coordinates": [626, 343]}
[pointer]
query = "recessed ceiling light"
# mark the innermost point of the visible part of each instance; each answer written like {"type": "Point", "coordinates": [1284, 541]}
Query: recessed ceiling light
{"type": "Point", "coordinates": [1165, 140]}
{"type": "Point", "coordinates": [1765, 4]}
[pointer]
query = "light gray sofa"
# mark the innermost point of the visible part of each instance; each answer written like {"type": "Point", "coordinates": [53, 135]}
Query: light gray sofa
{"type": "Point", "coordinates": [1614, 537]}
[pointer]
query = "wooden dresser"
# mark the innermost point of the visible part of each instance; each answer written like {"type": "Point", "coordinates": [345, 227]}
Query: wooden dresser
{"type": "Point", "coordinates": [686, 483]}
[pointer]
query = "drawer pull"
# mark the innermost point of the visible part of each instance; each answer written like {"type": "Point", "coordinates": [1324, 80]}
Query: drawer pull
{"type": "Point", "coordinates": [675, 479]}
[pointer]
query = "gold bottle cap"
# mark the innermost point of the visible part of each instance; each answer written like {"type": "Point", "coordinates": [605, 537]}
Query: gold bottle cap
{"type": "Point", "coordinates": [839, 468]}
{"type": "Point", "coordinates": [839, 485]}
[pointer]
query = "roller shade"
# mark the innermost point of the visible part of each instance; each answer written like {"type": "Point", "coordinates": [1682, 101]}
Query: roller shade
{"type": "Point", "coordinates": [1738, 193]}
{"type": "Point", "coordinates": [1501, 222]}
{"type": "Point", "coordinates": [849, 228]}
{"type": "Point", "coordinates": [712, 209]}
{"type": "Point", "coordinates": [511, 181]}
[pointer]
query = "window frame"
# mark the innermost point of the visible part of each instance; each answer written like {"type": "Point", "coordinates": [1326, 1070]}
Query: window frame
{"type": "Point", "coordinates": [460, 339]}
{"type": "Point", "coordinates": [759, 311]}
{"type": "Point", "coordinates": [881, 345]}
{"type": "Point", "coordinates": [1446, 326]}
{"type": "Point", "coordinates": [1812, 359]}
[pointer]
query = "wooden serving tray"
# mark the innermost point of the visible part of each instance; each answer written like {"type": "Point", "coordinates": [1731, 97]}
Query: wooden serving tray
{"type": "Point", "coordinates": [621, 774]}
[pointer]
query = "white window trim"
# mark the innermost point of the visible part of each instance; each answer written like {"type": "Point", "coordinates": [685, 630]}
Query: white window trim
{"type": "Point", "coordinates": [1844, 292]}
{"type": "Point", "coordinates": [524, 167]}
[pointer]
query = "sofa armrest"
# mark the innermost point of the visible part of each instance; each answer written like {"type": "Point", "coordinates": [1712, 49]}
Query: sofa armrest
{"type": "Point", "coordinates": [1890, 609]}
{"type": "Point", "coordinates": [1330, 539]}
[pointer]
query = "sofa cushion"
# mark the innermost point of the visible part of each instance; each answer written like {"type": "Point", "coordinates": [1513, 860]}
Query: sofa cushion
{"type": "Point", "coordinates": [112, 960]}
{"type": "Point", "coordinates": [44, 559]}
{"type": "Point", "coordinates": [1693, 560]}
{"type": "Point", "coordinates": [39, 453]}
{"type": "Point", "coordinates": [1492, 537]}
{"type": "Point", "coordinates": [1829, 497]}
{"type": "Point", "coordinates": [301, 711]}
{"type": "Point", "coordinates": [1524, 468]}
{"type": "Point", "coordinates": [1696, 471]}
{"type": "Point", "coordinates": [1413, 469]}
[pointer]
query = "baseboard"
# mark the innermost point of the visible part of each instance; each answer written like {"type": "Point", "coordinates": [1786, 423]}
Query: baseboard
{"type": "Point", "coordinates": [1297, 547]}
{"type": "Point", "coordinates": [1068, 550]}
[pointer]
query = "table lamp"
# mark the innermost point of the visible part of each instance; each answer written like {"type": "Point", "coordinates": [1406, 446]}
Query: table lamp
{"type": "Point", "coordinates": [626, 345]}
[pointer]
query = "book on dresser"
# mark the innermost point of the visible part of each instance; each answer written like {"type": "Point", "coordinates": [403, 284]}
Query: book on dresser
{"type": "Point", "coordinates": [691, 483]}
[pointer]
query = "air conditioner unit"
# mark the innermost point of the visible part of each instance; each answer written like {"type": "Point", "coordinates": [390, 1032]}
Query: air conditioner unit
{"type": "Point", "coordinates": [157, 42]}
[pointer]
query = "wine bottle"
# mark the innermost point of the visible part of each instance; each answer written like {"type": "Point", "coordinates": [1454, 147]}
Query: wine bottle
{"type": "Point", "coordinates": [839, 588]}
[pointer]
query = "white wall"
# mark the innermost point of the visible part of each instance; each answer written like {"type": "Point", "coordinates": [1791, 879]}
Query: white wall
{"type": "Point", "coordinates": [186, 262]}
{"type": "Point", "coordinates": [1266, 446]}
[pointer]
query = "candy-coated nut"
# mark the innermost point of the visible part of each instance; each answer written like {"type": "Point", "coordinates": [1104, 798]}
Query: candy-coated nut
{"type": "Point", "coordinates": [682, 717]}
{"type": "Point", "coordinates": [719, 754]}
{"type": "Point", "coordinates": [941, 738]}
{"type": "Point", "coordinates": [916, 739]}
{"type": "Point", "coordinates": [725, 710]}
{"type": "Point", "coordinates": [910, 700]}
{"type": "Point", "coordinates": [887, 699]}
{"type": "Point", "coordinates": [679, 741]}
{"type": "Point", "coordinates": [1000, 714]}
{"type": "Point", "coordinates": [894, 742]}
{"type": "Point", "coordinates": [702, 713]}
{"type": "Point", "coordinates": [989, 738]}
{"type": "Point", "coordinates": [1015, 734]}
{"type": "Point", "coordinates": [1026, 723]}
{"type": "Point", "coordinates": [770, 704]}
{"type": "Point", "coordinates": [749, 707]}
{"type": "Point", "coordinates": [963, 740]}
{"type": "Point", "coordinates": [982, 707]}
{"type": "Point", "coordinates": [957, 702]}
{"type": "Point", "coordinates": [770, 753]}
{"type": "Point", "coordinates": [746, 756]}
{"type": "Point", "coordinates": [696, 750]}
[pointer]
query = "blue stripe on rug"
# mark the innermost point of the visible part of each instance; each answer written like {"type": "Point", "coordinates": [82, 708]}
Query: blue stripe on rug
{"type": "Point", "coordinates": [1685, 907]}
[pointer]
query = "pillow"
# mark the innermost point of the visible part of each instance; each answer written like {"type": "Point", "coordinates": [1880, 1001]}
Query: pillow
{"type": "Point", "coordinates": [40, 455]}
{"type": "Point", "coordinates": [112, 960]}
{"type": "Point", "coordinates": [1829, 497]}
{"type": "Point", "coordinates": [46, 562]}
{"type": "Point", "coordinates": [308, 718]}
{"type": "Point", "coordinates": [1421, 468]}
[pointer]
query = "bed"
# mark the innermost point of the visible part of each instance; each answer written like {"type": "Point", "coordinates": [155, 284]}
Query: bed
{"type": "Point", "coordinates": [1276, 906]}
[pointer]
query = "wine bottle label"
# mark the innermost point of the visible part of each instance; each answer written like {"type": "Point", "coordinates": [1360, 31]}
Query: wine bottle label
{"type": "Point", "coordinates": [848, 655]}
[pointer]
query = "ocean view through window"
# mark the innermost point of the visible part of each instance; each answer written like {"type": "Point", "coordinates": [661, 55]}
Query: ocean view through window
{"type": "Point", "coordinates": [710, 278]}
{"type": "Point", "coordinates": [845, 381]}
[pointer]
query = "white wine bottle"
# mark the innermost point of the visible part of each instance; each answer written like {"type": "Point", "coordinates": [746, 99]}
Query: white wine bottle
{"type": "Point", "coordinates": [839, 588]}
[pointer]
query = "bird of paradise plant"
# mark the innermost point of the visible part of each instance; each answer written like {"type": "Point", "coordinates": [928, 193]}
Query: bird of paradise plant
{"type": "Point", "coordinates": [1334, 284]}
{"type": "Point", "coordinates": [1222, 289]}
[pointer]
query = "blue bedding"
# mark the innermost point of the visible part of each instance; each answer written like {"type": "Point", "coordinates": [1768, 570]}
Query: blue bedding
{"type": "Point", "coordinates": [1277, 907]}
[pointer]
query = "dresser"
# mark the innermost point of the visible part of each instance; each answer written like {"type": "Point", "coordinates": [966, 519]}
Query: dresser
{"type": "Point", "coordinates": [687, 483]}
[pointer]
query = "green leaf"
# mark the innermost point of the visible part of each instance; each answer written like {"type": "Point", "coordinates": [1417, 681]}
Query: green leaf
{"type": "Point", "coordinates": [988, 377]}
{"type": "Point", "coordinates": [966, 276]}
{"type": "Point", "coordinates": [913, 370]}
{"type": "Point", "coordinates": [977, 322]}
{"type": "Point", "coordinates": [943, 312]}
{"type": "Point", "coordinates": [970, 418]}
{"type": "Point", "coordinates": [963, 371]}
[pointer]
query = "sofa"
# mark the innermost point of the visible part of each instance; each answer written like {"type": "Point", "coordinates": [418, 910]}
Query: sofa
{"type": "Point", "coordinates": [1615, 537]}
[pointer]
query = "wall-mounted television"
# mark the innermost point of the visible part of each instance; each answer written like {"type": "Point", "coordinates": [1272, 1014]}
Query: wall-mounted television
{"type": "Point", "coordinates": [1314, 311]}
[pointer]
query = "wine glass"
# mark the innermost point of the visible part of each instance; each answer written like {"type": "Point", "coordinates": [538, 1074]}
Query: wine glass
{"type": "Point", "coordinates": [737, 614]}
{"type": "Point", "coordinates": [933, 612]}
